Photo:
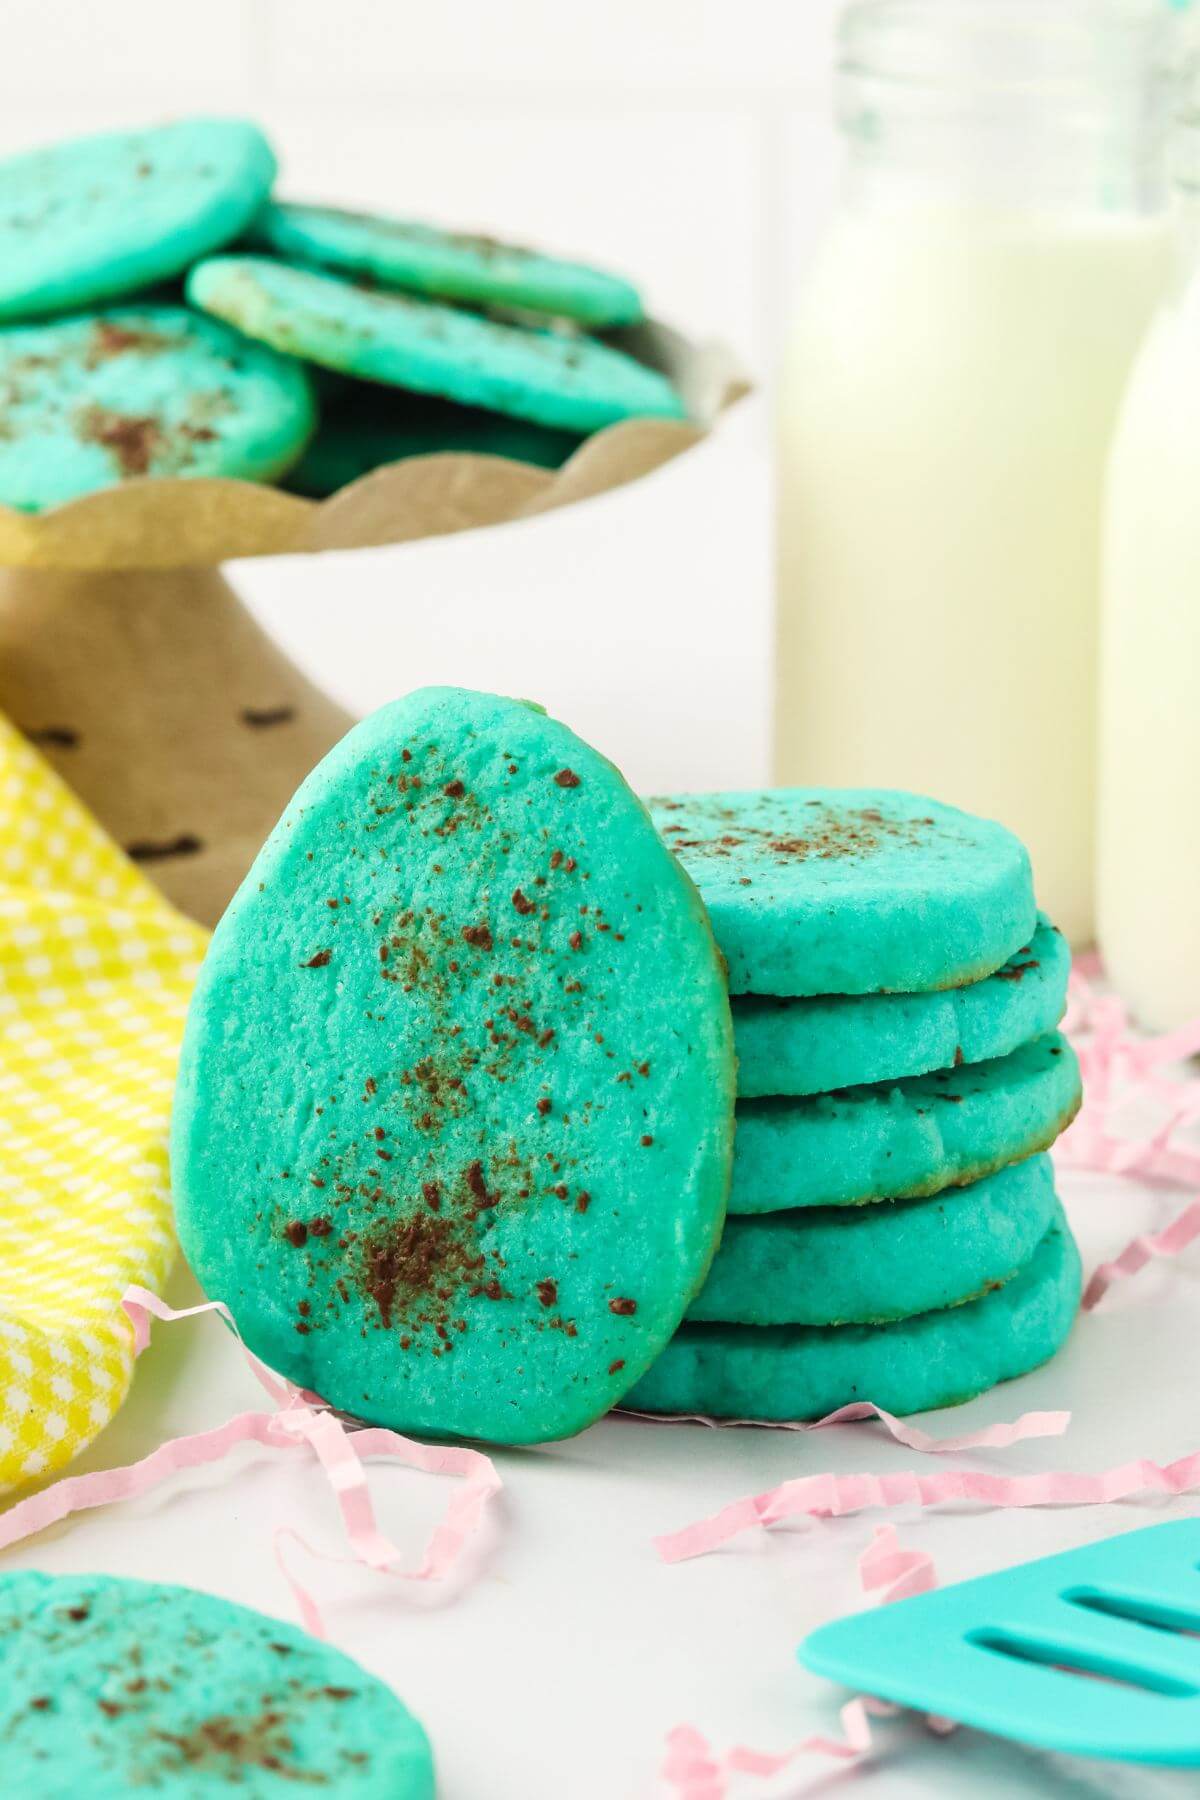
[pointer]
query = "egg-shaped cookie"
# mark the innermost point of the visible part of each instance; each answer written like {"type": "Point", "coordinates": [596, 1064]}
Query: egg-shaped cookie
{"type": "Point", "coordinates": [453, 1129]}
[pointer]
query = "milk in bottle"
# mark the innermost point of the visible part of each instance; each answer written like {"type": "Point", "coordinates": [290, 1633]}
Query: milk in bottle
{"type": "Point", "coordinates": [1149, 804]}
{"type": "Point", "coordinates": [948, 394]}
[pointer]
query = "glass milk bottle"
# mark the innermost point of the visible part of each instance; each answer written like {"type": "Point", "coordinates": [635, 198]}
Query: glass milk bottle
{"type": "Point", "coordinates": [1149, 806]}
{"type": "Point", "coordinates": [947, 396]}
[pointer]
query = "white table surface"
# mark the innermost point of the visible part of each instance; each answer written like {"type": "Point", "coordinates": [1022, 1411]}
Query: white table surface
{"type": "Point", "coordinates": [559, 1667]}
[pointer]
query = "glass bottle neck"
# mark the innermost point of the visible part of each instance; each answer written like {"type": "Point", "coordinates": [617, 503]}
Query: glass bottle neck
{"type": "Point", "coordinates": [1014, 104]}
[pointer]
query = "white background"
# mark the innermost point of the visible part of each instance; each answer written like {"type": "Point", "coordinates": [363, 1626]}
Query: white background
{"type": "Point", "coordinates": [686, 142]}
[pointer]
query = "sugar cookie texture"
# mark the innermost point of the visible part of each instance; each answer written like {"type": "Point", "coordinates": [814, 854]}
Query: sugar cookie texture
{"type": "Point", "coordinates": [104, 397]}
{"type": "Point", "coordinates": [447, 265]}
{"type": "Point", "coordinates": [935, 1359]}
{"type": "Point", "coordinates": [843, 1040]}
{"type": "Point", "coordinates": [409, 339]}
{"type": "Point", "coordinates": [900, 1139]}
{"type": "Point", "coordinates": [893, 1230]}
{"type": "Point", "coordinates": [454, 1123]}
{"type": "Point", "coordinates": [865, 1265]}
{"type": "Point", "coordinates": [572, 383]}
{"type": "Point", "coordinates": [113, 1687]}
{"type": "Point", "coordinates": [98, 217]}
{"type": "Point", "coordinates": [851, 891]}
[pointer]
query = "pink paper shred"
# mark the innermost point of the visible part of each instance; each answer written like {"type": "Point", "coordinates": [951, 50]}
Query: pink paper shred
{"type": "Point", "coordinates": [828, 1496]}
{"type": "Point", "coordinates": [1122, 1071]}
{"type": "Point", "coordinates": [991, 1437]}
{"type": "Point", "coordinates": [1183, 1230]}
{"type": "Point", "coordinates": [696, 1772]}
{"type": "Point", "coordinates": [894, 1573]}
{"type": "Point", "coordinates": [300, 1422]}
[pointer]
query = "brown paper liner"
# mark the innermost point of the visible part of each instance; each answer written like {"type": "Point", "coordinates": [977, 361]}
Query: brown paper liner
{"type": "Point", "coordinates": [133, 666]}
{"type": "Point", "coordinates": [167, 709]}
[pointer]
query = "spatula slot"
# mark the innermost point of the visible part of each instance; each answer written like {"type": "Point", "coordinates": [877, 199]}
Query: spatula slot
{"type": "Point", "coordinates": [1089, 1665]}
{"type": "Point", "coordinates": [1179, 1620]}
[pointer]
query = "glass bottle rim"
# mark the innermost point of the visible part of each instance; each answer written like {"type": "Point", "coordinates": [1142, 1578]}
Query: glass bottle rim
{"type": "Point", "coordinates": [1074, 54]}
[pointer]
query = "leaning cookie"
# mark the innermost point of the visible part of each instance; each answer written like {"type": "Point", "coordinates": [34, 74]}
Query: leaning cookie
{"type": "Point", "coordinates": [114, 1687]}
{"type": "Point", "coordinates": [937, 1359]}
{"type": "Point", "coordinates": [446, 265]}
{"type": "Point", "coordinates": [904, 1139]}
{"type": "Point", "coordinates": [569, 382]}
{"type": "Point", "coordinates": [454, 1120]}
{"type": "Point", "coordinates": [104, 216]}
{"type": "Point", "coordinates": [93, 400]}
{"type": "Point", "coordinates": [867, 1265]}
{"type": "Point", "coordinates": [843, 1040]}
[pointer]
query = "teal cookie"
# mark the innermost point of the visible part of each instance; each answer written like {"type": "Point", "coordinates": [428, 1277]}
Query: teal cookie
{"type": "Point", "coordinates": [103, 216]}
{"type": "Point", "coordinates": [111, 1687]}
{"type": "Point", "coordinates": [571, 383]}
{"type": "Point", "coordinates": [899, 1140]}
{"type": "Point", "coordinates": [851, 890]}
{"type": "Point", "coordinates": [938, 1359]}
{"type": "Point", "coordinates": [376, 426]}
{"type": "Point", "coordinates": [842, 1040]}
{"type": "Point", "coordinates": [454, 1118]}
{"type": "Point", "coordinates": [87, 402]}
{"type": "Point", "coordinates": [446, 265]}
{"type": "Point", "coordinates": [864, 1265]}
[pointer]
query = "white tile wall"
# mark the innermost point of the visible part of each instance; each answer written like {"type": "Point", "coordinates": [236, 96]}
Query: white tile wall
{"type": "Point", "coordinates": [67, 50]}
{"type": "Point", "coordinates": [685, 142]}
{"type": "Point", "coordinates": [622, 45]}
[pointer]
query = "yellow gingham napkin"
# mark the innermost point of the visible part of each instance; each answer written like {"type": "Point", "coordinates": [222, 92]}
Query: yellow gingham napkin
{"type": "Point", "coordinates": [95, 974]}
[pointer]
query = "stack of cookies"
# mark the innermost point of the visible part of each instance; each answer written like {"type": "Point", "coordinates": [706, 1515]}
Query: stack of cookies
{"type": "Point", "coordinates": [893, 1229]}
{"type": "Point", "coordinates": [459, 1119]}
{"type": "Point", "coordinates": [162, 315]}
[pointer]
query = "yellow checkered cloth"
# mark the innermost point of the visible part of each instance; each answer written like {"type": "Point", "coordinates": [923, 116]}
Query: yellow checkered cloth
{"type": "Point", "coordinates": [95, 973]}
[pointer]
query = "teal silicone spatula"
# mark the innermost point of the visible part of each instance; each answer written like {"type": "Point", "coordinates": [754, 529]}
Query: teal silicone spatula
{"type": "Point", "coordinates": [1092, 1653]}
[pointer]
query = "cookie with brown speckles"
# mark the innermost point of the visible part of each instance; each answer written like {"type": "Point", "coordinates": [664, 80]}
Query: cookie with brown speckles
{"type": "Point", "coordinates": [567, 381]}
{"type": "Point", "coordinates": [99, 217]}
{"type": "Point", "coordinates": [113, 1687]}
{"type": "Point", "coordinates": [454, 1121]}
{"type": "Point", "coordinates": [448, 265]}
{"type": "Point", "coordinates": [104, 397]}
{"type": "Point", "coordinates": [851, 890]}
